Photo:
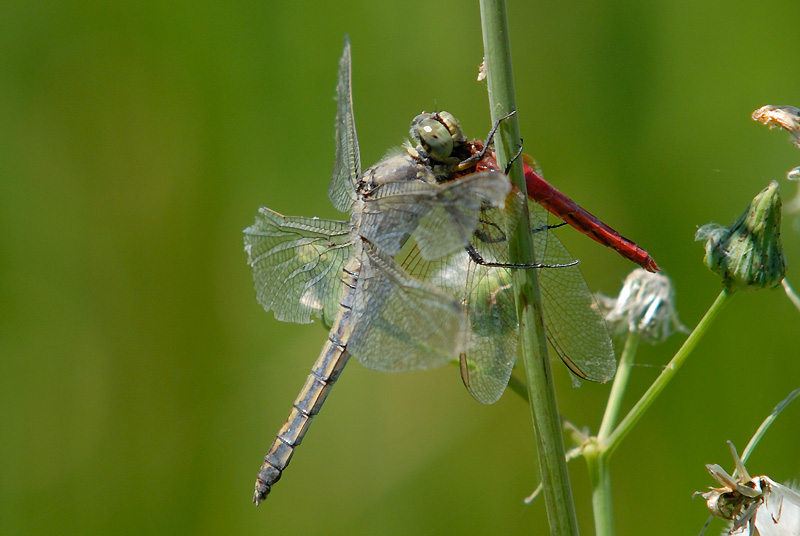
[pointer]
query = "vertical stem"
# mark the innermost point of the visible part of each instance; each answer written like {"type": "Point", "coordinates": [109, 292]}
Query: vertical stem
{"type": "Point", "coordinates": [602, 506]}
{"type": "Point", "coordinates": [596, 459]}
{"type": "Point", "coordinates": [541, 391]}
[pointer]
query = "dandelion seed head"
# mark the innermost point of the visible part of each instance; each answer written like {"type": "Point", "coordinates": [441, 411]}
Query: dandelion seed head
{"type": "Point", "coordinates": [645, 305]}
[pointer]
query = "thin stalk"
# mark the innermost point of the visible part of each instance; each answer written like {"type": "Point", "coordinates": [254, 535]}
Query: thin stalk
{"type": "Point", "coordinates": [619, 386]}
{"type": "Point", "coordinates": [602, 505]}
{"type": "Point", "coordinates": [751, 445]}
{"type": "Point", "coordinates": [596, 455]}
{"type": "Point", "coordinates": [533, 344]}
{"type": "Point", "coordinates": [666, 375]}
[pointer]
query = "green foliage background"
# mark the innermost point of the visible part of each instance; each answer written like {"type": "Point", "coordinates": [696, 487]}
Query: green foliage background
{"type": "Point", "coordinates": [140, 383]}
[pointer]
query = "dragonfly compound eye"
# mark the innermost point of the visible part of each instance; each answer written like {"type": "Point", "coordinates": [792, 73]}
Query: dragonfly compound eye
{"type": "Point", "coordinates": [451, 123]}
{"type": "Point", "coordinates": [433, 135]}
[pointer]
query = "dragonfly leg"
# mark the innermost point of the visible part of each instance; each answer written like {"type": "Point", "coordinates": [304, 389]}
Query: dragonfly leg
{"type": "Point", "coordinates": [487, 238]}
{"type": "Point", "coordinates": [492, 132]}
{"type": "Point", "coordinates": [478, 259]}
{"type": "Point", "coordinates": [548, 227]}
{"type": "Point", "coordinates": [474, 159]}
{"type": "Point", "coordinates": [514, 158]}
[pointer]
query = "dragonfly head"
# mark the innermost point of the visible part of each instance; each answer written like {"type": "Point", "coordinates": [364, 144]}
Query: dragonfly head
{"type": "Point", "coordinates": [437, 134]}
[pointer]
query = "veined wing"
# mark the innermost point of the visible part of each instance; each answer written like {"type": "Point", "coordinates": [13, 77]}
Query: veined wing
{"type": "Point", "coordinates": [297, 264]}
{"type": "Point", "coordinates": [347, 166]}
{"type": "Point", "coordinates": [402, 323]}
{"type": "Point", "coordinates": [486, 366]}
{"type": "Point", "coordinates": [575, 325]}
{"type": "Point", "coordinates": [488, 298]}
{"type": "Point", "coordinates": [442, 217]}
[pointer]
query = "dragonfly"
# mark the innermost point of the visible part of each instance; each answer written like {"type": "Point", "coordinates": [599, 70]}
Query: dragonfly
{"type": "Point", "coordinates": [417, 278]}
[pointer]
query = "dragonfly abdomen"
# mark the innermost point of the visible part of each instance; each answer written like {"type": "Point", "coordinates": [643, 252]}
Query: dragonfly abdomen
{"type": "Point", "coordinates": [568, 210]}
{"type": "Point", "coordinates": [307, 404]}
{"type": "Point", "coordinates": [324, 373]}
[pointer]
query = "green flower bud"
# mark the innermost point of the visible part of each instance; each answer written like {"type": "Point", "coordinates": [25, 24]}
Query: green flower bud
{"type": "Point", "coordinates": [748, 255]}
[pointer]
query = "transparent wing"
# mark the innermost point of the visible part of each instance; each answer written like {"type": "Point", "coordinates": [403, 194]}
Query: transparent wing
{"type": "Point", "coordinates": [488, 299]}
{"type": "Point", "coordinates": [491, 306]}
{"type": "Point", "coordinates": [442, 217]}
{"type": "Point", "coordinates": [401, 323]}
{"type": "Point", "coordinates": [347, 166]}
{"type": "Point", "coordinates": [575, 325]}
{"type": "Point", "coordinates": [575, 328]}
{"type": "Point", "coordinates": [297, 264]}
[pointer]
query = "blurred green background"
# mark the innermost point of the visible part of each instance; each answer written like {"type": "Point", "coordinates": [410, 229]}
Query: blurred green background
{"type": "Point", "coordinates": [140, 381]}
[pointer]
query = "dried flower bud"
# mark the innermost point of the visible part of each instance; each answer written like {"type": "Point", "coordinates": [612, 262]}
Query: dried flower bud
{"type": "Point", "coordinates": [786, 117]}
{"type": "Point", "coordinates": [645, 305]}
{"type": "Point", "coordinates": [748, 255]}
{"type": "Point", "coordinates": [754, 505]}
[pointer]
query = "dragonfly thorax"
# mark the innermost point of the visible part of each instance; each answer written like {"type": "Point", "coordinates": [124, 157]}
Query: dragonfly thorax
{"type": "Point", "coordinates": [398, 168]}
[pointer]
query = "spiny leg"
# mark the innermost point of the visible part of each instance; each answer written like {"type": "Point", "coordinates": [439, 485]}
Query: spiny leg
{"type": "Point", "coordinates": [478, 259]}
{"type": "Point", "coordinates": [474, 159]}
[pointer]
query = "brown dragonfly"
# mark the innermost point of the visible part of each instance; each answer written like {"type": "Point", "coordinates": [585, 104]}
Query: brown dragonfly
{"type": "Point", "coordinates": [418, 277]}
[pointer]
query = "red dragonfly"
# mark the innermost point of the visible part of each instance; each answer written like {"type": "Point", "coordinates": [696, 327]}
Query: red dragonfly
{"type": "Point", "coordinates": [568, 210]}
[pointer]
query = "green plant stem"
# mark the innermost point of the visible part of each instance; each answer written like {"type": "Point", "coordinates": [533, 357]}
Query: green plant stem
{"type": "Point", "coordinates": [619, 386]}
{"type": "Point", "coordinates": [541, 391]}
{"type": "Point", "coordinates": [751, 445]}
{"type": "Point", "coordinates": [666, 375]}
{"type": "Point", "coordinates": [595, 453]}
{"type": "Point", "coordinates": [600, 478]}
